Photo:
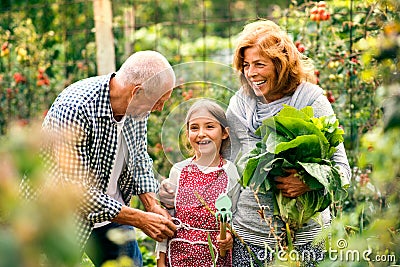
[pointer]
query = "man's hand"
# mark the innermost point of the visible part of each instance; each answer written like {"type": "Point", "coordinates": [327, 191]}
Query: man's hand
{"type": "Point", "coordinates": [291, 185]}
{"type": "Point", "coordinates": [154, 225]}
{"type": "Point", "coordinates": [167, 194]}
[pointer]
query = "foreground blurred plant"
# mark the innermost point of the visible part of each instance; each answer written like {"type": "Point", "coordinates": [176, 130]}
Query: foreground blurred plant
{"type": "Point", "coordinates": [370, 225]}
{"type": "Point", "coordinates": [35, 232]}
{"type": "Point", "coordinates": [40, 231]}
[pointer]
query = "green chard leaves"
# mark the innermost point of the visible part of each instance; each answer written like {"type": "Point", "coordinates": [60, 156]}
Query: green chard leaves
{"type": "Point", "coordinates": [295, 139]}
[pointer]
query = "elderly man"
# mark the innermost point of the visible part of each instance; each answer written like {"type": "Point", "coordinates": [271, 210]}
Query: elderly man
{"type": "Point", "coordinates": [99, 144]}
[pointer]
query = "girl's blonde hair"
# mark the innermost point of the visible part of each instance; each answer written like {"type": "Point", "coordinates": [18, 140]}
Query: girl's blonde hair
{"type": "Point", "coordinates": [218, 113]}
{"type": "Point", "coordinates": [291, 66]}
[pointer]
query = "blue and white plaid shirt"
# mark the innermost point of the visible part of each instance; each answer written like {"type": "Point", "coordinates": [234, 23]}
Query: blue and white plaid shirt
{"type": "Point", "coordinates": [83, 150]}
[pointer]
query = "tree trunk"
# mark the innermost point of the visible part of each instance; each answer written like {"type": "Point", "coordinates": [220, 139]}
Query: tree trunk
{"type": "Point", "coordinates": [105, 53]}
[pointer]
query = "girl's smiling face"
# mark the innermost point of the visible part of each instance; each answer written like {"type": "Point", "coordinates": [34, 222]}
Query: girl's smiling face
{"type": "Point", "coordinates": [205, 134]}
{"type": "Point", "coordinates": [260, 72]}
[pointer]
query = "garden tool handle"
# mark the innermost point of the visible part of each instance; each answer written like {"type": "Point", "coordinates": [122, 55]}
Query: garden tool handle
{"type": "Point", "coordinates": [223, 204]}
{"type": "Point", "coordinates": [222, 236]}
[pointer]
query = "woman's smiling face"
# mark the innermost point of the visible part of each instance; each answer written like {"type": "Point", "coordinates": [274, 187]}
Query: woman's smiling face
{"type": "Point", "coordinates": [260, 73]}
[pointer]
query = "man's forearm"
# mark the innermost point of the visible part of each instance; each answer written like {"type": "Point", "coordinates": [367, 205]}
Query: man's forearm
{"type": "Point", "coordinates": [129, 216]}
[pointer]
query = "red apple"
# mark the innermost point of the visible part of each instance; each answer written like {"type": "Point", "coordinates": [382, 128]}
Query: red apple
{"type": "Point", "coordinates": [301, 48]}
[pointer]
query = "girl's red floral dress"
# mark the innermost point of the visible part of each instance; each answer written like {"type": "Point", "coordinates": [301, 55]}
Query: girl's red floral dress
{"type": "Point", "coordinates": [190, 245]}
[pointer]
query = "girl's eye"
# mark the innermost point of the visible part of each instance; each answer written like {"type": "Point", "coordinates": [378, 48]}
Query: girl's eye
{"type": "Point", "coordinates": [260, 64]}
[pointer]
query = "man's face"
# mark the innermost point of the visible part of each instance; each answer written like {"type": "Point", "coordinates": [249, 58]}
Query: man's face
{"type": "Point", "coordinates": [159, 105]}
{"type": "Point", "coordinates": [142, 104]}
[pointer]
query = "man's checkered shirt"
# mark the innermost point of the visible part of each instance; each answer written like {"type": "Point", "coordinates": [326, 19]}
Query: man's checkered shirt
{"type": "Point", "coordinates": [83, 149]}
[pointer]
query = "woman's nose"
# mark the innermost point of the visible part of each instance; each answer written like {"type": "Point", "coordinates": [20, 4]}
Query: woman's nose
{"type": "Point", "coordinates": [251, 71]}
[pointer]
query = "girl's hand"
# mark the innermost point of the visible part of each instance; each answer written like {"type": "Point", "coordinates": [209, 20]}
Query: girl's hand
{"type": "Point", "coordinates": [227, 243]}
{"type": "Point", "coordinates": [291, 185]}
{"type": "Point", "coordinates": [161, 260]}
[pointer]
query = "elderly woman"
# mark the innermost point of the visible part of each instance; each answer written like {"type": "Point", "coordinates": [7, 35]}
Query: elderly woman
{"type": "Point", "coordinates": [273, 73]}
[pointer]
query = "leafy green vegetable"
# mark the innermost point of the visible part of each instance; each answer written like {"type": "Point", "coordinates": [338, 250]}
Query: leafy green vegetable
{"type": "Point", "coordinates": [295, 139]}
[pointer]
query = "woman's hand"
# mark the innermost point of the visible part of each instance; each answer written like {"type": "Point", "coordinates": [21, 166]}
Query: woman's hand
{"type": "Point", "coordinates": [291, 185]}
{"type": "Point", "coordinates": [227, 243]}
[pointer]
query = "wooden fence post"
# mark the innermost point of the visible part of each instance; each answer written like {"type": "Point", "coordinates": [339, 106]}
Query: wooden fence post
{"type": "Point", "coordinates": [105, 52]}
{"type": "Point", "coordinates": [129, 29]}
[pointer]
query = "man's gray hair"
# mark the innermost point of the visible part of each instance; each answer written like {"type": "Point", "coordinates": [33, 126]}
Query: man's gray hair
{"type": "Point", "coordinates": [148, 68]}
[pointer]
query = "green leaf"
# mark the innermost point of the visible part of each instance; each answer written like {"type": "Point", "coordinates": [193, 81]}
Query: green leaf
{"type": "Point", "coordinates": [313, 183]}
{"type": "Point", "coordinates": [242, 162]}
{"type": "Point", "coordinates": [335, 138]}
{"type": "Point", "coordinates": [248, 164]}
{"type": "Point", "coordinates": [298, 127]}
{"type": "Point", "coordinates": [288, 111]}
{"type": "Point", "coordinates": [331, 129]}
{"type": "Point", "coordinates": [210, 247]}
{"type": "Point", "coordinates": [287, 207]}
{"type": "Point", "coordinates": [260, 174]}
{"type": "Point", "coordinates": [297, 211]}
{"type": "Point", "coordinates": [309, 111]}
{"type": "Point", "coordinates": [249, 170]}
{"type": "Point", "coordinates": [322, 173]}
{"type": "Point", "coordinates": [301, 142]}
{"type": "Point", "coordinates": [302, 148]}
{"type": "Point", "coordinates": [273, 125]}
{"type": "Point", "coordinates": [273, 140]}
{"type": "Point", "coordinates": [276, 167]}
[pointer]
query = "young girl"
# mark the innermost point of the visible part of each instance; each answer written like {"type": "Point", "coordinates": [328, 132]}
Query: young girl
{"type": "Point", "coordinates": [208, 174]}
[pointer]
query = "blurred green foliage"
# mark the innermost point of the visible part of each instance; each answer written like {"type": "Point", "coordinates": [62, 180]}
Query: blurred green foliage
{"type": "Point", "coordinates": [29, 228]}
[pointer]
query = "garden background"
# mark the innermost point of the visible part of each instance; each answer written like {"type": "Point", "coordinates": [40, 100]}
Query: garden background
{"type": "Point", "coordinates": [47, 45]}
